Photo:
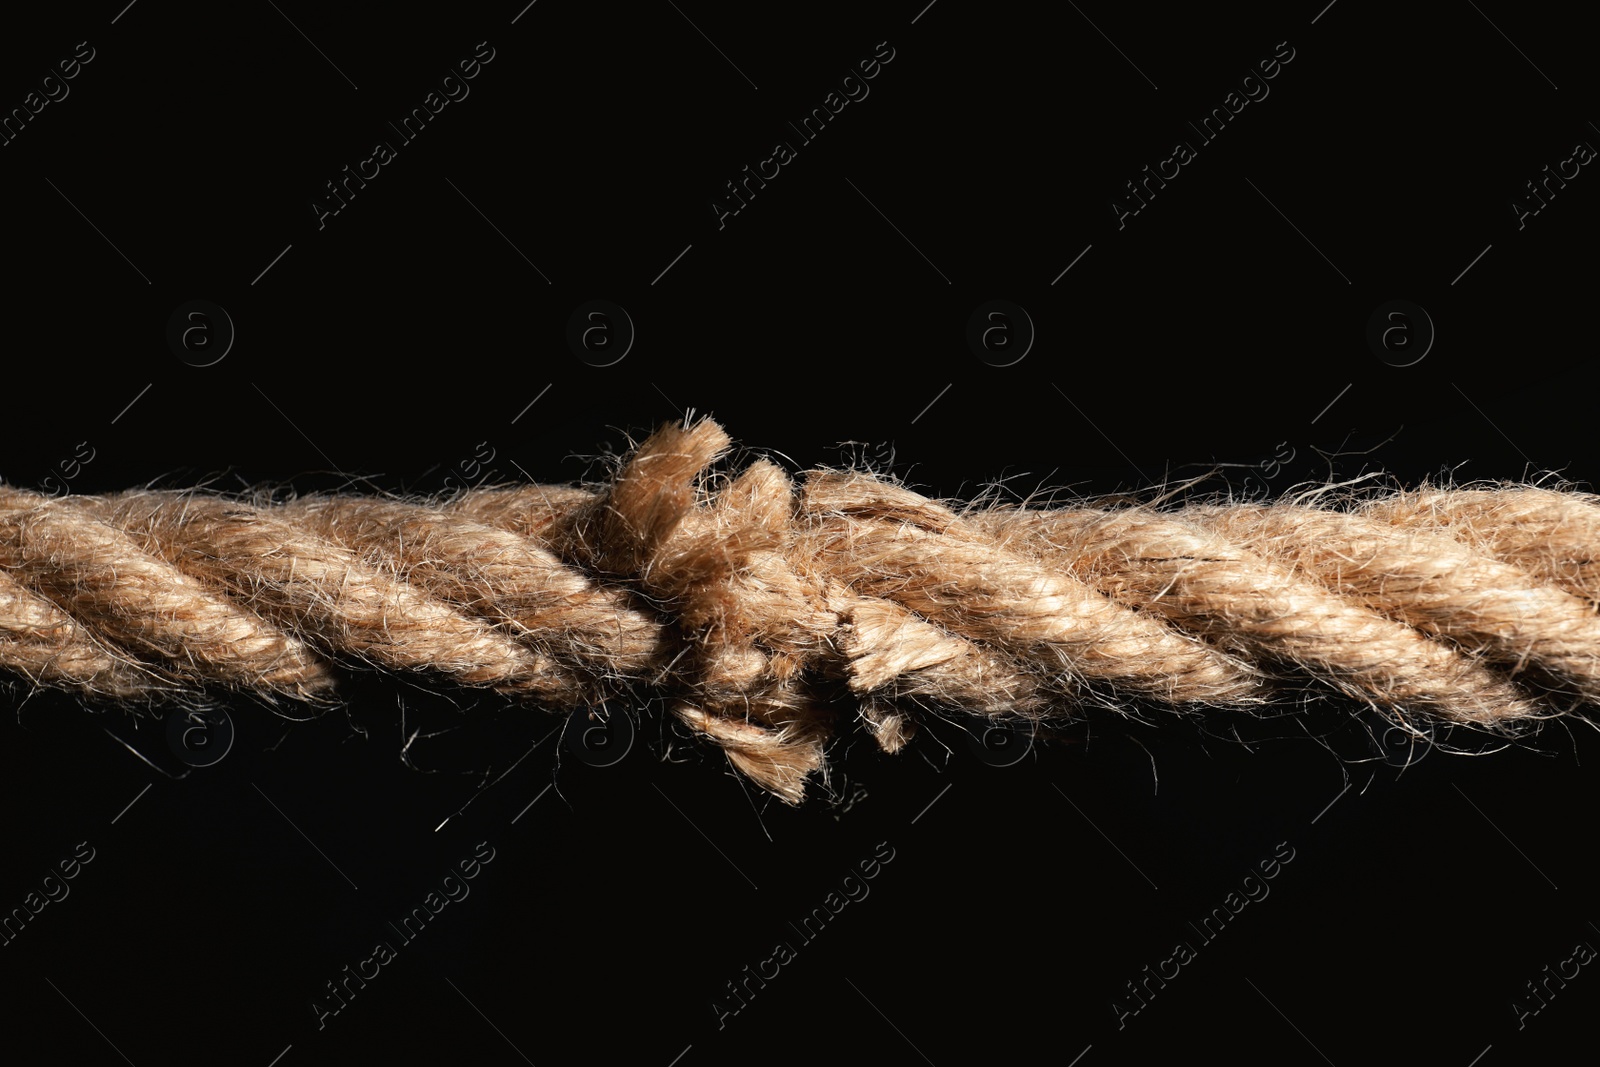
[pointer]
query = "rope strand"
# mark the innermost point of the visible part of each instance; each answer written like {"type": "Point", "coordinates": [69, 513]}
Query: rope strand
{"type": "Point", "coordinates": [756, 605]}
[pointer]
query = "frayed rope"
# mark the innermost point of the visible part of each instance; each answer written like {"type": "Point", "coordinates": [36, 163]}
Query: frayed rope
{"type": "Point", "coordinates": [767, 611]}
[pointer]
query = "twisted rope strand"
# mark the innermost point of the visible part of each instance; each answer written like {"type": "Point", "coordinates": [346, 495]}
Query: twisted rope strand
{"type": "Point", "coordinates": [762, 609]}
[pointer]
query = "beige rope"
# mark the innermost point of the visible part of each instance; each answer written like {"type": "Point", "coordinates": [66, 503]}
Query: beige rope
{"type": "Point", "coordinates": [766, 610]}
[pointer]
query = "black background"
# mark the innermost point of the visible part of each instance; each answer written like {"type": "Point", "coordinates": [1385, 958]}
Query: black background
{"type": "Point", "coordinates": [1222, 328]}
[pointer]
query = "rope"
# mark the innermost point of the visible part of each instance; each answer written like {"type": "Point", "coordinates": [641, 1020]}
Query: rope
{"type": "Point", "coordinates": [767, 611]}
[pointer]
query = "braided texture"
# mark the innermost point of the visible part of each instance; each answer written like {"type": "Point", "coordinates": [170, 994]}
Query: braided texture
{"type": "Point", "coordinates": [771, 613]}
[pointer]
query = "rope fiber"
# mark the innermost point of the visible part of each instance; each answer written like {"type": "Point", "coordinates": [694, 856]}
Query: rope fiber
{"type": "Point", "coordinates": [770, 613]}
